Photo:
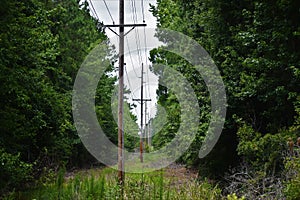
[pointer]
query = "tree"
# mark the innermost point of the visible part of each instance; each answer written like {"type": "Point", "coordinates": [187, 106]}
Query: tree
{"type": "Point", "coordinates": [43, 44]}
{"type": "Point", "coordinates": [254, 44]}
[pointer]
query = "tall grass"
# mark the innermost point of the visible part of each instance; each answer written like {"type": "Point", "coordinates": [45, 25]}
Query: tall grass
{"type": "Point", "coordinates": [104, 185]}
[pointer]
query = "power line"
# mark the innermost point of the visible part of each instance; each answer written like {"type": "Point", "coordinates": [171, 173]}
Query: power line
{"type": "Point", "coordinates": [145, 41]}
{"type": "Point", "coordinates": [93, 13]}
{"type": "Point", "coordinates": [93, 8]}
{"type": "Point", "coordinates": [134, 9]}
{"type": "Point", "coordinates": [130, 88]}
{"type": "Point", "coordinates": [143, 11]}
{"type": "Point", "coordinates": [146, 47]}
{"type": "Point", "coordinates": [148, 88]}
{"type": "Point", "coordinates": [138, 42]}
{"type": "Point", "coordinates": [138, 45]}
{"type": "Point", "coordinates": [112, 19]}
{"type": "Point", "coordinates": [137, 38]}
{"type": "Point", "coordinates": [148, 85]}
{"type": "Point", "coordinates": [131, 57]}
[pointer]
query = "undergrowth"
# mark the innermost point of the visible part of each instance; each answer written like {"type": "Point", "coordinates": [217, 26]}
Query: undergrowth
{"type": "Point", "coordinates": [104, 185]}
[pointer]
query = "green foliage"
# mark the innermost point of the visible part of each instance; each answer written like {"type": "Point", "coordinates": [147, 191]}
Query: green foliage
{"type": "Point", "coordinates": [255, 45]}
{"type": "Point", "coordinates": [292, 166]}
{"type": "Point", "coordinates": [263, 151]}
{"type": "Point", "coordinates": [13, 171]}
{"type": "Point", "coordinates": [106, 109]}
{"type": "Point", "coordinates": [234, 197]}
{"type": "Point", "coordinates": [169, 114]}
{"type": "Point", "coordinates": [137, 186]}
{"type": "Point", "coordinates": [42, 45]}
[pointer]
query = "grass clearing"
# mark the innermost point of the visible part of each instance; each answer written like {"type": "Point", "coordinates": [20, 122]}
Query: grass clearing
{"type": "Point", "coordinates": [99, 184]}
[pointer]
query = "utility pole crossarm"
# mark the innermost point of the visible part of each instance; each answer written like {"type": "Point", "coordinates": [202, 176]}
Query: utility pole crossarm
{"type": "Point", "coordinates": [124, 25]}
{"type": "Point", "coordinates": [141, 99]}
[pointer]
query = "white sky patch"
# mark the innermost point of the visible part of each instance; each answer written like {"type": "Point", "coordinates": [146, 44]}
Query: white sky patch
{"type": "Point", "coordinates": [137, 48]}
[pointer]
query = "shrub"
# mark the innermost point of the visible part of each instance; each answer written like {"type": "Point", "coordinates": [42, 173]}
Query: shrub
{"type": "Point", "coordinates": [14, 172]}
{"type": "Point", "coordinates": [234, 197]}
{"type": "Point", "coordinates": [292, 186]}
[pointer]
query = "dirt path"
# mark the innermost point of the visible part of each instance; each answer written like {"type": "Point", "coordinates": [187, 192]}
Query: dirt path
{"type": "Point", "coordinates": [178, 174]}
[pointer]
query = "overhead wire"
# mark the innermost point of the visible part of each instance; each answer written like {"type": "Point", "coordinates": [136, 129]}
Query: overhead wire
{"type": "Point", "coordinates": [130, 88]}
{"type": "Point", "coordinates": [93, 13]}
{"type": "Point", "coordinates": [127, 76]}
{"type": "Point", "coordinates": [134, 19]}
{"type": "Point", "coordinates": [147, 89]}
{"type": "Point", "coordinates": [130, 55]}
{"type": "Point", "coordinates": [107, 8]}
{"type": "Point", "coordinates": [143, 12]}
{"type": "Point", "coordinates": [137, 38]}
{"type": "Point", "coordinates": [93, 10]}
{"type": "Point", "coordinates": [146, 49]}
{"type": "Point", "coordinates": [138, 46]}
{"type": "Point", "coordinates": [148, 86]}
{"type": "Point", "coordinates": [111, 17]}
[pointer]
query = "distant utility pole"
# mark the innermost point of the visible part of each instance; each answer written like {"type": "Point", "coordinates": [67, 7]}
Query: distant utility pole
{"type": "Point", "coordinates": [142, 100]}
{"type": "Point", "coordinates": [149, 133]}
{"type": "Point", "coordinates": [121, 35]}
{"type": "Point", "coordinates": [147, 126]}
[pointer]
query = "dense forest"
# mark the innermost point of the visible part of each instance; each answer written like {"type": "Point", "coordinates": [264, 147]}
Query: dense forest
{"type": "Point", "coordinates": [43, 44]}
{"type": "Point", "coordinates": [254, 44]}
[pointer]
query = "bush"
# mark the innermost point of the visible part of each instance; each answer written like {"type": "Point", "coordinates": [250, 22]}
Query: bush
{"type": "Point", "coordinates": [14, 172]}
{"type": "Point", "coordinates": [234, 197]}
{"type": "Point", "coordinates": [263, 152]}
{"type": "Point", "coordinates": [292, 186]}
{"type": "Point", "coordinates": [253, 184]}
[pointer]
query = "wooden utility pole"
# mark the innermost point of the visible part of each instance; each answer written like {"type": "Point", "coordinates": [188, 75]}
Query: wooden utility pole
{"type": "Point", "coordinates": [146, 124]}
{"type": "Point", "coordinates": [121, 35]}
{"type": "Point", "coordinates": [145, 117]}
{"type": "Point", "coordinates": [141, 136]}
{"type": "Point", "coordinates": [142, 100]}
{"type": "Point", "coordinates": [121, 96]}
{"type": "Point", "coordinates": [149, 133]}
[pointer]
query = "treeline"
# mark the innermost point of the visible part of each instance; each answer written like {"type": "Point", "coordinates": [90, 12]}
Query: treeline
{"type": "Point", "coordinates": [42, 45]}
{"type": "Point", "coordinates": [256, 46]}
